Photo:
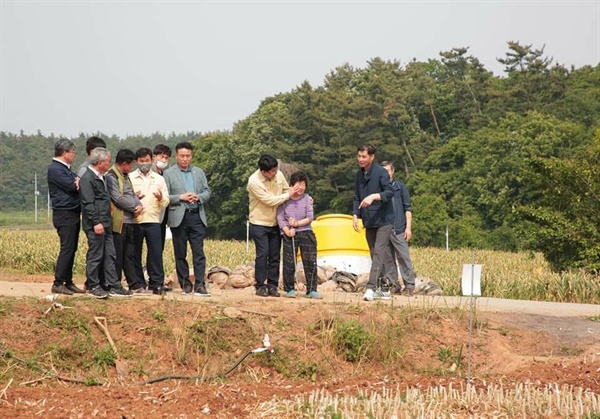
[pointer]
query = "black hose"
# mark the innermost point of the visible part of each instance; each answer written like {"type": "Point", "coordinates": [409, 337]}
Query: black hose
{"type": "Point", "coordinates": [197, 377]}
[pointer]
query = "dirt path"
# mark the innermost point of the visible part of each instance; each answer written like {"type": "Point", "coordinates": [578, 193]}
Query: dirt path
{"type": "Point", "coordinates": [568, 322]}
{"type": "Point", "coordinates": [517, 307]}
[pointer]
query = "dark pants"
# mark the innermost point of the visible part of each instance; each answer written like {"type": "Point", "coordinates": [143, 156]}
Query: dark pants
{"type": "Point", "coordinates": [307, 243]}
{"type": "Point", "coordinates": [125, 259]}
{"type": "Point", "coordinates": [154, 260]}
{"type": "Point", "coordinates": [191, 230]}
{"type": "Point", "coordinates": [378, 240]}
{"type": "Point", "coordinates": [399, 249]}
{"type": "Point", "coordinates": [267, 241]}
{"type": "Point", "coordinates": [101, 260]}
{"type": "Point", "coordinates": [67, 224]}
{"type": "Point", "coordinates": [163, 229]}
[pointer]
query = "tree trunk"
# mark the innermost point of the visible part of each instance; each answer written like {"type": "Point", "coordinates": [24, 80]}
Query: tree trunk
{"type": "Point", "coordinates": [437, 128]}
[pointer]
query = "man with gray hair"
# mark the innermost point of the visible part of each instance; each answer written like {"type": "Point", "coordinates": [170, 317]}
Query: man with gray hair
{"type": "Point", "coordinates": [97, 225]}
{"type": "Point", "coordinates": [63, 188]}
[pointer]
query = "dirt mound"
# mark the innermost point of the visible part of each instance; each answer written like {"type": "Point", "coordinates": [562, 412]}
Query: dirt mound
{"type": "Point", "coordinates": [56, 362]}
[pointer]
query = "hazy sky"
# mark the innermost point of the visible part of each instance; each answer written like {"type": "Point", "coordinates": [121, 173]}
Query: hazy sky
{"type": "Point", "coordinates": [138, 67]}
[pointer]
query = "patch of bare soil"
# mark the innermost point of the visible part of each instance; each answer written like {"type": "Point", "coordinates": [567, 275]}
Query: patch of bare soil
{"type": "Point", "coordinates": [50, 357]}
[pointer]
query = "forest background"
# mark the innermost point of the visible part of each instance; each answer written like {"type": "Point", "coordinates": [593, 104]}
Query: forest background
{"type": "Point", "coordinates": [505, 162]}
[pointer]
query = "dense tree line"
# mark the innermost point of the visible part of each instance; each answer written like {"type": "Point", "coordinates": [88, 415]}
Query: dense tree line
{"type": "Point", "coordinates": [506, 162]}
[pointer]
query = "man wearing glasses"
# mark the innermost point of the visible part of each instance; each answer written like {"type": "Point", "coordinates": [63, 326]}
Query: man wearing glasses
{"type": "Point", "coordinates": [63, 187]}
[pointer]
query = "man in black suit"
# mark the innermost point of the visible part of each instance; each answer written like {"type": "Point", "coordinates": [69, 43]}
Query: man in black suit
{"type": "Point", "coordinates": [63, 187]}
{"type": "Point", "coordinates": [97, 225]}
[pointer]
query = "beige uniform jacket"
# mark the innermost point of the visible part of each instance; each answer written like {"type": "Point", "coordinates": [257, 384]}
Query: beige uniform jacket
{"type": "Point", "coordinates": [265, 196]}
{"type": "Point", "coordinates": [154, 210]}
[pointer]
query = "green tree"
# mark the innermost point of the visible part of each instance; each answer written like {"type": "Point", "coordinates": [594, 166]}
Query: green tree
{"type": "Point", "coordinates": [563, 221]}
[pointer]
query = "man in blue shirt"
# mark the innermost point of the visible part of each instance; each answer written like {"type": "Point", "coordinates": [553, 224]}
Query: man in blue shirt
{"type": "Point", "coordinates": [372, 203]}
{"type": "Point", "coordinates": [401, 235]}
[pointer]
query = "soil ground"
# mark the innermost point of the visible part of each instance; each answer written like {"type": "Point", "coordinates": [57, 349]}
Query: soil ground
{"type": "Point", "coordinates": [513, 341]}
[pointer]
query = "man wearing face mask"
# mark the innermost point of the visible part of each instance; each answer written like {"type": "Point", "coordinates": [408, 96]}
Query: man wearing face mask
{"type": "Point", "coordinates": [160, 162]}
{"type": "Point", "coordinates": [151, 189]}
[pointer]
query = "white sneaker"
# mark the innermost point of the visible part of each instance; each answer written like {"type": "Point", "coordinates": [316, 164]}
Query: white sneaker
{"type": "Point", "coordinates": [369, 295]}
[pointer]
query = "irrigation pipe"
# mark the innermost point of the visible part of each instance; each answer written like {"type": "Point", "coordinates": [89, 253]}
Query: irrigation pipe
{"type": "Point", "coordinates": [265, 347]}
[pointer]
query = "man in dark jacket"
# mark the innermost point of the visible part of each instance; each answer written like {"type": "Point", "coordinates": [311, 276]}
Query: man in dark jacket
{"type": "Point", "coordinates": [372, 203]}
{"type": "Point", "coordinates": [125, 207]}
{"type": "Point", "coordinates": [97, 225]}
{"type": "Point", "coordinates": [63, 187]}
{"type": "Point", "coordinates": [401, 235]}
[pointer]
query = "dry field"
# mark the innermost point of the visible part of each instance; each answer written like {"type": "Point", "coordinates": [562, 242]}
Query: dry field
{"type": "Point", "coordinates": [336, 358]}
{"type": "Point", "coordinates": [330, 360]}
{"type": "Point", "coordinates": [519, 276]}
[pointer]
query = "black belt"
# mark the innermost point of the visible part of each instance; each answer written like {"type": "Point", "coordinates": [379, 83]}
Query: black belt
{"type": "Point", "coordinates": [192, 210]}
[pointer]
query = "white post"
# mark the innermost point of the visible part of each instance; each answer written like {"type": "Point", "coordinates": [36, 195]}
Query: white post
{"type": "Point", "coordinates": [471, 319]}
{"type": "Point", "coordinates": [447, 247]}
{"type": "Point", "coordinates": [35, 194]}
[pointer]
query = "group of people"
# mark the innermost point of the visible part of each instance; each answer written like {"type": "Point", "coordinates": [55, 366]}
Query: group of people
{"type": "Point", "coordinates": [384, 206]}
{"type": "Point", "coordinates": [119, 208]}
{"type": "Point", "coordinates": [283, 213]}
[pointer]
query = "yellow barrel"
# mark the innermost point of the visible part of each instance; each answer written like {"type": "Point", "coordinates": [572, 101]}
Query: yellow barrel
{"type": "Point", "coordinates": [339, 245]}
{"type": "Point", "coordinates": [335, 236]}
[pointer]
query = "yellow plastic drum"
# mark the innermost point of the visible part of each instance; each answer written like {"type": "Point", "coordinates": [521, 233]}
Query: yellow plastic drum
{"type": "Point", "coordinates": [338, 245]}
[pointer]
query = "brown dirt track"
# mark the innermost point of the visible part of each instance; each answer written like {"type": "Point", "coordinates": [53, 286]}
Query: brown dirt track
{"type": "Point", "coordinates": [509, 346]}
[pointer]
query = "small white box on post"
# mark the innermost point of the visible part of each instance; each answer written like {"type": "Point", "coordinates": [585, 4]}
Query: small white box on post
{"type": "Point", "coordinates": [471, 280]}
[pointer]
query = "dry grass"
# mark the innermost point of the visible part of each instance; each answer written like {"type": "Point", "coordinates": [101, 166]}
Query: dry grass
{"type": "Point", "coordinates": [519, 400]}
{"type": "Point", "coordinates": [522, 275]}
{"type": "Point", "coordinates": [35, 251]}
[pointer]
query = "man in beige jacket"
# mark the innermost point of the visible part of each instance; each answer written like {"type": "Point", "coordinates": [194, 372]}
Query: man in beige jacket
{"type": "Point", "coordinates": [151, 189]}
{"type": "Point", "coordinates": [267, 189]}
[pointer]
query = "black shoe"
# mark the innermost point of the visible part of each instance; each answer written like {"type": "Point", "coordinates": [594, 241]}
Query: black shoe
{"type": "Point", "coordinates": [140, 291]}
{"type": "Point", "coordinates": [273, 292]}
{"type": "Point", "coordinates": [61, 289]}
{"type": "Point", "coordinates": [74, 288]}
{"type": "Point", "coordinates": [119, 291]}
{"type": "Point", "coordinates": [161, 290]}
{"type": "Point", "coordinates": [98, 292]}
{"type": "Point", "coordinates": [201, 291]}
{"type": "Point", "coordinates": [262, 292]}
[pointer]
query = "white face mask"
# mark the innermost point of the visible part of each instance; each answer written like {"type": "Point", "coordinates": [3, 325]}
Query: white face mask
{"type": "Point", "coordinates": [161, 164]}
